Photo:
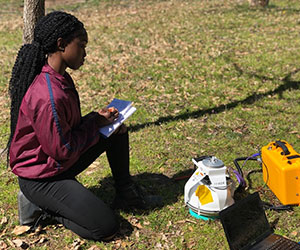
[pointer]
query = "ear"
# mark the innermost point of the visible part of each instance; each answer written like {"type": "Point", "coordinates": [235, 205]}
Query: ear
{"type": "Point", "coordinates": [61, 44]}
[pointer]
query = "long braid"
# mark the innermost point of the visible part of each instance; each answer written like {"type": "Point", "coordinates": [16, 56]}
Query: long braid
{"type": "Point", "coordinates": [29, 63]}
{"type": "Point", "coordinates": [31, 58]}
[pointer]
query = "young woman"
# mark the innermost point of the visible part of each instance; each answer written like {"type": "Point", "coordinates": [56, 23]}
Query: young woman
{"type": "Point", "coordinates": [50, 142]}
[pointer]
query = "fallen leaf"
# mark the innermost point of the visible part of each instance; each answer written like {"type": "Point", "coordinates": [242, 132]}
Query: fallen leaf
{"type": "Point", "coordinates": [164, 237]}
{"type": "Point", "coordinates": [139, 226]}
{"type": "Point", "coordinates": [124, 244]}
{"type": "Point", "coordinates": [18, 230]}
{"type": "Point", "coordinates": [10, 242]}
{"type": "Point", "coordinates": [116, 242]}
{"type": "Point", "coordinates": [146, 223]}
{"type": "Point", "coordinates": [137, 234]}
{"type": "Point", "coordinates": [3, 232]}
{"type": "Point", "coordinates": [77, 244]}
{"type": "Point", "coordinates": [191, 221]}
{"type": "Point", "coordinates": [39, 241]}
{"type": "Point", "coordinates": [3, 245]}
{"type": "Point", "coordinates": [158, 245]}
{"type": "Point", "coordinates": [191, 244]}
{"type": "Point", "coordinates": [20, 243]}
{"type": "Point", "coordinates": [43, 239]}
{"type": "Point", "coordinates": [4, 220]}
{"type": "Point", "coordinates": [94, 248]}
{"type": "Point", "coordinates": [294, 233]}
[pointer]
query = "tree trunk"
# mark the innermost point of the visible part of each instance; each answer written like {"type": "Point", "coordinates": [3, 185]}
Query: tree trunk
{"type": "Point", "coordinates": [33, 10]}
{"type": "Point", "coordinates": [262, 3]}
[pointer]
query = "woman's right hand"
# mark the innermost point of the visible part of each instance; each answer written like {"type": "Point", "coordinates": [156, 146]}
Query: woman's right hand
{"type": "Point", "coordinates": [108, 115]}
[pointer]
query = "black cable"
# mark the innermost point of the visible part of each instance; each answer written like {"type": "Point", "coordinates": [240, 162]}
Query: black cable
{"type": "Point", "coordinates": [267, 205]}
{"type": "Point", "coordinates": [248, 176]}
{"type": "Point", "coordinates": [235, 161]}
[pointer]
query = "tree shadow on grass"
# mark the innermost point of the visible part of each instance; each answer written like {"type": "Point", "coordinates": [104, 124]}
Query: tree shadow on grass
{"type": "Point", "coordinates": [287, 84]}
{"type": "Point", "coordinates": [169, 188]}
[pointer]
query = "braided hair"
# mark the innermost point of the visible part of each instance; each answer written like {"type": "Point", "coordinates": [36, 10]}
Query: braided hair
{"type": "Point", "coordinates": [32, 57]}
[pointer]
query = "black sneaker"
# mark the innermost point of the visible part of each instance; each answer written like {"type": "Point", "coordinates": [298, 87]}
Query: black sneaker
{"type": "Point", "coordinates": [132, 197]}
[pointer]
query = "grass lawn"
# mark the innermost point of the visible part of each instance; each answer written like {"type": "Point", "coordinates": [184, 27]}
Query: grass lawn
{"type": "Point", "coordinates": [209, 77]}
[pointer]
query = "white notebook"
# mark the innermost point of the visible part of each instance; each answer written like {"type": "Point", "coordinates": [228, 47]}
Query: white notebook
{"type": "Point", "coordinates": [125, 109]}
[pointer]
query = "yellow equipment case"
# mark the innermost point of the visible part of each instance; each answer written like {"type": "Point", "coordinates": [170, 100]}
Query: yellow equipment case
{"type": "Point", "coordinates": [281, 171]}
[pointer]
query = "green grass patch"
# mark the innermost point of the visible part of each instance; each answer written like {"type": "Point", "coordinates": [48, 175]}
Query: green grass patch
{"type": "Point", "coordinates": [207, 77]}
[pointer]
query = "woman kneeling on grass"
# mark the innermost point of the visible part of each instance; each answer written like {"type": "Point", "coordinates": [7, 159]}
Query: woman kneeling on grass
{"type": "Point", "coordinates": [50, 142]}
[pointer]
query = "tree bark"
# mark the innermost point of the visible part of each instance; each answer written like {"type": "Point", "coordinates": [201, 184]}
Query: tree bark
{"type": "Point", "coordinates": [262, 3]}
{"type": "Point", "coordinates": [33, 11]}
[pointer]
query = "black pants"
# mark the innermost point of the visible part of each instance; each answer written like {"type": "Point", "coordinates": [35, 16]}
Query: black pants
{"type": "Point", "coordinates": [73, 205]}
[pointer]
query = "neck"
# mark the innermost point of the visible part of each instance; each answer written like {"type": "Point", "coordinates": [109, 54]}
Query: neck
{"type": "Point", "coordinates": [55, 62]}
